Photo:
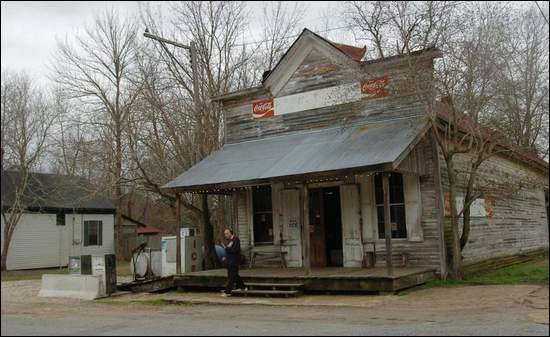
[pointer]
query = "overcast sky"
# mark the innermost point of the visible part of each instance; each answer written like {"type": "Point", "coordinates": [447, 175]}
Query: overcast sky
{"type": "Point", "coordinates": [30, 29]}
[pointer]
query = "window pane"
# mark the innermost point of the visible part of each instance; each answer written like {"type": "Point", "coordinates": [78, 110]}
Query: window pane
{"type": "Point", "coordinates": [263, 215]}
{"type": "Point", "coordinates": [262, 199]}
{"type": "Point", "coordinates": [378, 189]}
{"type": "Point", "coordinates": [93, 233]}
{"type": "Point", "coordinates": [86, 236]}
{"type": "Point", "coordinates": [397, 216]}
{"type": "Point", "coordinates": [99, 233]}
{"type": "Point", "coordinates": [60, 219]}
{"type": "Point", "coordinates": [396, 189]}
{"type": "Point", "coordinates": [380, 217]}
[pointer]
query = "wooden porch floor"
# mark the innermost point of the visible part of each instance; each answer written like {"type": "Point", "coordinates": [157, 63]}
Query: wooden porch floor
{"type": "Point", "coordinates": [320, 279]}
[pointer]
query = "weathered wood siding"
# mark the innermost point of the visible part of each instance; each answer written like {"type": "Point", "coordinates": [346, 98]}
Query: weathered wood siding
{"type": "Point", "coordinates": [317, 72]}
{"type": "Point", "coordinates": [286, 222]}
{"type": "Point", "coordinates": [422, 243]}
{"type": "Point", "coordinates": [519, 222]}
{"type": "Point", "coordinates": [243, 218]}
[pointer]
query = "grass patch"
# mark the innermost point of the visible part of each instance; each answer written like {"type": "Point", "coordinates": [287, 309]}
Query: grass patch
{"type": "Point", "coordinates": [528, 272]}
{"type": "Point", "coordinates": [535, 272]}
{"type": "Point", "coordinates": [32, 274]}
{"type": "Point", "coordinates": [161, 302]}
{"type": "Point", "coordinates": [154, 303]}
{"type": "Point", "coordinates": [122, 269]}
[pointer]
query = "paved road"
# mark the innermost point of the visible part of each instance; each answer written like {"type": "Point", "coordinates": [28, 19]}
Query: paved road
{"type": "Point", "coordinates": [497, 310]}
{"type": "Point", "coordinates": [264, 320]}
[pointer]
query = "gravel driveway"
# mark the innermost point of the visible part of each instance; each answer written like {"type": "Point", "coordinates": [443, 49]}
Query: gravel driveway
{"type": "Point", "coordinates": [476, 310]}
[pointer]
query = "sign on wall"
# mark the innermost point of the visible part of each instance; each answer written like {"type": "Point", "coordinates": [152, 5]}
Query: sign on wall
{"type": "Point", "coordinates": [263, 108]}
{"type": "Point", "coordinates": [346, 93]}
{"type": "Point", "coordinates": [479, 208]}
{"type": "Point", "coordinates": [375, 87]}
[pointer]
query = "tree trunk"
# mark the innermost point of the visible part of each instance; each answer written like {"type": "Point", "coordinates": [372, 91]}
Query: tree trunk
{"type": "Point", "coordinates": [465, 229]}
{"type": "Point", "coordinates": [118, 192]}
{"type": "Point", "coordinates": [456, 266]}
{"type": "Point", "coordinates": [467, 199]}
{"type": "Point", "coordinates": [211, 260]}
{"type": "Point", "coordinates": [5, 254]}
{"type": "Point", "coordinates": [7, 241]}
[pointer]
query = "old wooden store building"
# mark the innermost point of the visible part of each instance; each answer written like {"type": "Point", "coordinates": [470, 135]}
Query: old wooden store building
{"type": "Point", "coordinates": [309, 156]}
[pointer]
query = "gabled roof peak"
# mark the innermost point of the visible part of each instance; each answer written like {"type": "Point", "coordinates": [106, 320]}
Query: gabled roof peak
{"type": "Point", "coordinates": [347, 55]}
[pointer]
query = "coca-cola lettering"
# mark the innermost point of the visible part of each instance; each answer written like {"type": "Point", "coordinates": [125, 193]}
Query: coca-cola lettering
{"type": "Point", "coordinates": [376, 87]}
{"type": "Point", "coordinates": [263, 108]}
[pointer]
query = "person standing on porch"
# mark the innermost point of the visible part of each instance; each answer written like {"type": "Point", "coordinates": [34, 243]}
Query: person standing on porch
{"type": "Point", "coordinates": [232, 261]}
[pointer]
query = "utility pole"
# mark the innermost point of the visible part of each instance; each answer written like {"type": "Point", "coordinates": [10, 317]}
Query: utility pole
{"type": "Point", "coordinates": [196, 103]}
{"type": "Point", "coordinates": [192, 48]}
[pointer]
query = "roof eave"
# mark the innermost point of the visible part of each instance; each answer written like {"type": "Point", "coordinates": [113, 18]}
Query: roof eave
{"type": "Point", "coordinates": [224, 188]}
{"type": "Point", "coordinates": [238, 94]}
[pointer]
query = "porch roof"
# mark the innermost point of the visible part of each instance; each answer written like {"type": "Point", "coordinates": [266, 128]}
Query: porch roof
{"type": "Point", "coordinates": [305, 152]}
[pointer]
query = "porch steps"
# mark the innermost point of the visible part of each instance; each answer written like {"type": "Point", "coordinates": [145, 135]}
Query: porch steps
{"type": "Point", "coordinates": [271, 290]}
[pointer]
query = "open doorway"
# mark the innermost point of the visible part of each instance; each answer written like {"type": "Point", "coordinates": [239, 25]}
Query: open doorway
{"type": "Point", "coordinates": [325, 227]}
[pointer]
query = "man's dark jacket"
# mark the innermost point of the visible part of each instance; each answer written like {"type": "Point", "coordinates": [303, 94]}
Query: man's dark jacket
{"type": "Point", "coordinates": [233, 252]}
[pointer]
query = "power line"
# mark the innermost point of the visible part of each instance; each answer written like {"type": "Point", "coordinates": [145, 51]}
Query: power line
{"type": "Point", "coordinates": [541, 12]}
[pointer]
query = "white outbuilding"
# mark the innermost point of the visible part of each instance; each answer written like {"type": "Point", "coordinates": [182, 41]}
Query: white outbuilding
{"type": "Point", "coordinates": [61, 217]}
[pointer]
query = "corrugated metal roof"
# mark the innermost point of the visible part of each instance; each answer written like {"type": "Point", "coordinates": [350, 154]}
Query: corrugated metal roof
{"type": "Point", "coordinates": [52, 191]}
{"type": "Point", "coordinates": [305, 152]}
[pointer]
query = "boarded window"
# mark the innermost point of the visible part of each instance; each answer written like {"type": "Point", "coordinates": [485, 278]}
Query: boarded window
{"type": "Point", "coordinates": [397, 206]}
{"type": "Point", "coordinates": [263, 215]}
{"type": "Point", "coordinates": [60, 219]}
{"type": "Point", "coordinates": [93, 233]}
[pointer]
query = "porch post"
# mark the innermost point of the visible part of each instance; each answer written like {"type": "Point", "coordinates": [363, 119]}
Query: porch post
{"type": "Point", "coordinates": [178, 233]}
{"type": "Point", "coordinates": [387, 224]}
{"type": "Point", "coordinates": [305, 229]}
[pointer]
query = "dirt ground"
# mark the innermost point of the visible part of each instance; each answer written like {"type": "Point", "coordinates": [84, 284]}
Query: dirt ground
{"type": "Point", "coordinates": [485, 310]}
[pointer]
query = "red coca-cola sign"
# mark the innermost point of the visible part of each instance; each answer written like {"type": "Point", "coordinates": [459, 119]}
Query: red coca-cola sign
{"type": "Point", "coordinates": [375, 87]}
{"type": "Point", "coordinates": [263, 108]}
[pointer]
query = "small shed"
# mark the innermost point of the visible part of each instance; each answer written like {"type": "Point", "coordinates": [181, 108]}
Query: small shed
{"type": "Point", "coordinates": [135, 232]}
{"type": "Point", "coordinates": [61, 217]}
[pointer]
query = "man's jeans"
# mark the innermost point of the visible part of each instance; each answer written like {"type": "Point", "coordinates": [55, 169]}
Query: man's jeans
{"type": "Point", "coordinates": [233, 279]}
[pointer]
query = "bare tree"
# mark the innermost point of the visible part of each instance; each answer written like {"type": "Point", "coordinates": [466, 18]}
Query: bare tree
{"type": "Point", "coordinates": [281, 20]}
{"type": "Point", "coordinates": [522, 99]}
{"type": "Point", "coordinates": [96, 72]}
{"type": "Point", "coordinates": [399, 27]}
{"type": "Point", "coordinates": [174, 133]}
{"type": "Point", "coordinates": [27, 119]}
{"type": "Point", "coordinates": [171, 135]}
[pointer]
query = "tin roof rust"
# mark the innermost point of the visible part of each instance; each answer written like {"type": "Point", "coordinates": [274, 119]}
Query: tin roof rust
{"type": "Point", "coordinates": [355, 53]}
{"type": "Point", "coordinates": [148, 230]}
{"type": "Point", "coordinates": [306, 152]}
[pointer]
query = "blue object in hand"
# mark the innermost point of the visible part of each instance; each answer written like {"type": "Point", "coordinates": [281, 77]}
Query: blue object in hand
{"type": "Point", "coordinates": [220, 252]}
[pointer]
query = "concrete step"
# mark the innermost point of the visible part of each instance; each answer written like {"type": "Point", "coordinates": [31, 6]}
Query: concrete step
{"type": "Point", "coordinates": [266, 293]}
{"type": "Point", "coordinates": [275, 286]}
